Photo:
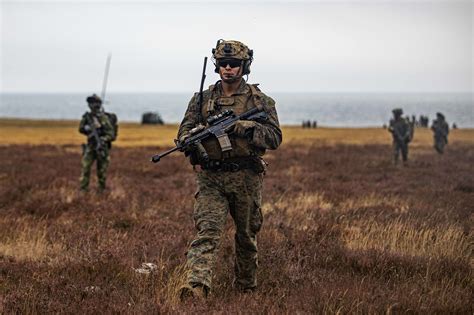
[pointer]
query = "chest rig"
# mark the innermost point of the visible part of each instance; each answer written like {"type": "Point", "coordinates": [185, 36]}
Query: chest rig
{"type": "Point", "coordinates": [226, 146]}
{"type": "Point", "coordinates": [216, 103]}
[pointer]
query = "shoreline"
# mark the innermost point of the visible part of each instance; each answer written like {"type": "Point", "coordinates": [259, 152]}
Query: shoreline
{"type": "Point", "coordinates": [32, 121]}
{"type": "Point", "coordinates": [65, 132]}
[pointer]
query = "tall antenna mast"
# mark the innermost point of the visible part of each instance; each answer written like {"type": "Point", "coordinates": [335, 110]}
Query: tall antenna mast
{"type": "Point", "coordinates": [106, 77]}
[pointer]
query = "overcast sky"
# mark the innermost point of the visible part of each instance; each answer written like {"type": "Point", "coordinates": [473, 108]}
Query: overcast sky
{"type": "Point", "coordinates": [366, 46]}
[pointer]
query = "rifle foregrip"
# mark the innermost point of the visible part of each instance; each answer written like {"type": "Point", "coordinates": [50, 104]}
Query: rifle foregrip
{"type": "Point", "coordinates": [202, 152]}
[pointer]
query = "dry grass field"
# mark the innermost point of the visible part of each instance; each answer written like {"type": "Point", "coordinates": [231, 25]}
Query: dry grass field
{"type": "Point", "coordinates": [345, 231]}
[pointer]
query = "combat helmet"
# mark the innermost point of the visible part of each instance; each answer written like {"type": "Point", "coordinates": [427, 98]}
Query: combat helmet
{"type": "Point", "coordinates": [232, 49]}
{"type": "Point", "coordinates": [440, 115]}
{"type": "Point", "coordinates": [94, 98]}
{"type": "Point", "coordinates": [397, 111]}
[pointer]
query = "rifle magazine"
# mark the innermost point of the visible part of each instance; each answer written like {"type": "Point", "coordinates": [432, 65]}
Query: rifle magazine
{"type": "Point", "coordinates": [224, 142]}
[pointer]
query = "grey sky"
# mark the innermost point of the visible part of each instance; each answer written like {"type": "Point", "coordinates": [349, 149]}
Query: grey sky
{"type": "Point", "coordinates": [299, 46]}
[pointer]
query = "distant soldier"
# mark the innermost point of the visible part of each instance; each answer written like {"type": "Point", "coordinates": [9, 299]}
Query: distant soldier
{"type": "Point", "coordinates": [424, 120]}
{"type": "Point", "coordinates": [401, 131]}
{"type": "Point", "coordinates": [440, 132]}
{"type": "Point", "coordinates": [100, 129]}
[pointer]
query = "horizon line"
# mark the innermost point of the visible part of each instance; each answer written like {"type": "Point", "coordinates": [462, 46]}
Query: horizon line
{"type": "Point", "coordinates": [269, 92]}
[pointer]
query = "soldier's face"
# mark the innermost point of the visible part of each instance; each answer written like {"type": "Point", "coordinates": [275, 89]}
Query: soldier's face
{"type": "Point", "coordinates": [94, 106]}
{"type": "Point", "coordinates": [230, 71]}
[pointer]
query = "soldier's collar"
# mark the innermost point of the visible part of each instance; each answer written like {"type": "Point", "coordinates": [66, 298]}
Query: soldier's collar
{"type": "Point", "coordinates": [242, 89]}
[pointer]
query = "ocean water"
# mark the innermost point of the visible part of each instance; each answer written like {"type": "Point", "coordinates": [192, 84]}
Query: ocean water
{"type": "Point", "coordinates": [328, 109]}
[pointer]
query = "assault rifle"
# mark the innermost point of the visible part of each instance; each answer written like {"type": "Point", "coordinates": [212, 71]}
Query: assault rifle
{"type": "Point", "coordinates": [99, 144]}
{"type": "Point", "coordinates": [218, 126]}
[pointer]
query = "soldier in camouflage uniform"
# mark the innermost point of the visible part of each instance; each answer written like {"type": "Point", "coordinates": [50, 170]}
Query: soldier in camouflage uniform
{"type": "Point", "coordinates": [440, 132]}
{"type": "Point", "coordinates": [229, 182]}
{"type": "Point", "coordinates": [92, 151]}
{"type": "Point", "coordinates": [401, 133]}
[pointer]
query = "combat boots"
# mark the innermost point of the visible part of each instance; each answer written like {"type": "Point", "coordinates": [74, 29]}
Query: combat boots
{"type": "Point", "coordinates": [197, 292]}
{"type": "Point", "coordinates": [101, 189]}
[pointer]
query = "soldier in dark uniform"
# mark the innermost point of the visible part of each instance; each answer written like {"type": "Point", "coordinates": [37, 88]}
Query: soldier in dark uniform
{"type": "Point", "coordinates": [231, 181]}
{"type": "Point", "coordinates": [98, 128]}
{"type": "Point", "coordinates": [401, 134]}
{"type": "Point", "coordinates": [440, 133]}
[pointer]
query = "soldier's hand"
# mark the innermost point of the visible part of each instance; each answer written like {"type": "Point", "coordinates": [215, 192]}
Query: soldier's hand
{"type": "Point", "coordinates": [183, 138]}
{"type": "Point", "coordinates": [189, 149]}
{"type": "Point", "coordinates": [243, 127]}
{"type": "Point", "coordinates": [87, 128]}
{"type": "Point", "coordinates": [96, 122]}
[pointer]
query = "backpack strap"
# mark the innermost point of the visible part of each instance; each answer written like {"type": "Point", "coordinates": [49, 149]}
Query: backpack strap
{"type": "Point", "coordinates": [209, 104]}
{"type": "Point", "coordinates": [257, 97]}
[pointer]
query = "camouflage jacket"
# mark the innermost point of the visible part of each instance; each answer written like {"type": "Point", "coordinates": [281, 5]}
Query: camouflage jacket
{"type": "Point", "coordinates": [440, 128]}
{"type": "Point", "coordinates": [266, 135]}
{"type": "Point", "coordinates": [103, 125]}
{"type": "Point", "coordinates": [400, 129]}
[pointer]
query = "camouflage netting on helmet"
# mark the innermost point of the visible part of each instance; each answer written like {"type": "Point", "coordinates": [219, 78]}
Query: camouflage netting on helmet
{"type": "Point", "coordinates": [231, 49]}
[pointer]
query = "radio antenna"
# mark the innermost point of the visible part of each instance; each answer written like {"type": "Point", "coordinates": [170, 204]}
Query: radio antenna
{"type": "Point", "coordinates": [106, 77]}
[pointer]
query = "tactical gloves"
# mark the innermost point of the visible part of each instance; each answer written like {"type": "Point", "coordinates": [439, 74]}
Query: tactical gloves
{"type": "Point", "coordinates": [188, 150]}
{"type": "Point", "coordinates": [244, 128]}
{"type": "Point", "coordinates": [183, 137]}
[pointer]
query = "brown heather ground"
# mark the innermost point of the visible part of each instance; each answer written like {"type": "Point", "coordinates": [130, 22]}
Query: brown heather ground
{"type": "Point", "coordinates": [345, 231]}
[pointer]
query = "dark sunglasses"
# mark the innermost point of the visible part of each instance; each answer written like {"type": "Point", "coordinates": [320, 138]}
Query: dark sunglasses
{"type": "Point", "coordinates": [233, 63]}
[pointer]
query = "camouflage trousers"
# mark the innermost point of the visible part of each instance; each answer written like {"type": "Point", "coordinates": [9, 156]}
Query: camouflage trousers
{"type": "Point", "coordinates": [439, 143]}
{"type": "Point", "coordinates": [397, 148]}
{"type": "Point", "coordinates": [88, 158]}
{"type": "Point", "coordinates": [238, 193]}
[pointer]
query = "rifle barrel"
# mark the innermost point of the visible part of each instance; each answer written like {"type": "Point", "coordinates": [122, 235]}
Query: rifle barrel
{"type": "Point", "coordinates": [156, 158]}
